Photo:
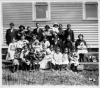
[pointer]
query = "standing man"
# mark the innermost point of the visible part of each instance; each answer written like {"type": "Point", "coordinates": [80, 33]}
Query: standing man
{"type": "Point", "coordinates": [38, 31]}
{"type": "Point", "coordinates": [69, 32]}
{"type": "Point", "coordinates": [10, 33]}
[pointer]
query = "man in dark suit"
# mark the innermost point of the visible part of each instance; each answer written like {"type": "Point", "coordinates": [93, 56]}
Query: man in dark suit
{"type": "Point", "coordinates": [69, 32]}
{"type": "Point", "coordinates": [38, 31]}
{"type": "Point", "coordinates": [10, 33]}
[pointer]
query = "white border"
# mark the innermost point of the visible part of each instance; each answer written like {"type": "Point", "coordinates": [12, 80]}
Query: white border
{"type": "Point", "coordinates": [45, 86]}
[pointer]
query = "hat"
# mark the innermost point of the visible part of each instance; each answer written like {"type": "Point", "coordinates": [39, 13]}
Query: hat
{"type": "Point", "coordinates": [47, 26]}
{"type": "Point", "coordinates": [68, 25]}
{"type": "Point", "coordinates": [21, 26]}
{"type": "Point", "coordinates": [11, 24]}
{"type": "Point", "coordinates": [80, 35]}
{"type": "Point", "coordinates": [55, 24]}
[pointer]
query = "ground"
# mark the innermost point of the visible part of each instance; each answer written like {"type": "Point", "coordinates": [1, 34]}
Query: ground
{"type": "Point", "coordinates": [48, 77]}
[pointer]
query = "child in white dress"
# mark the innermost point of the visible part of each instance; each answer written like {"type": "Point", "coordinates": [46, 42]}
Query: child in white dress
{"type": "Point", "coordinates": [57, 59]}
{"type": "Point", "coordinates": [45, 43]}
{"type": "Point", "coordinates": [82, 50]}
{"type": "Point", "coordinates": [44, 63]}
{"type": "Point", "coordinates": [74, 61]}
{"type": "Point", "coordinates": [11, 49]}
{"type": "Point", "coordinates": [65, 58]}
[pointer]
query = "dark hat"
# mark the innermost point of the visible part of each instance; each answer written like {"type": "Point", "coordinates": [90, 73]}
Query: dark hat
{"type": "Point", "coordinates": [55, 24]}
{"type": "Point", "coordinates": [11, 24]}
{"type": "Point", "coordinates": [80, 35]}
{"type": "Point", "coordinates": [21, 27]}
{"type": "Point", "coordinates": [47, 26]}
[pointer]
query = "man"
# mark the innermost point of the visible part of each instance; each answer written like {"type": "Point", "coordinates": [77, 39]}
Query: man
{"type": "Point", "coordinates": [69, 32]}
{"type": "Point", "coordinates": [38, 31]}
{"type": "Point", "coordinates": [10, 33]}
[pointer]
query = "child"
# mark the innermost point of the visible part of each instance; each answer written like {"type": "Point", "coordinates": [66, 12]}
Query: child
{"type": "Point", "coordinates": [57, 58]}
{"type": "Point", "coordinates": [38, 57]}
{"type": "Point", "coordinates": [55, 28]}
{"type": "Point", "coordinates": [37, 46]}
{"type": "Point", "coordinates": [45, 43]}
{"type": "Point", "coordinates": [57, 43]}
{"type": "Point", "coordinates": [23, 42]}
{"type": "Point", "coordinates": [82, 50]}
{"type": "Point", "coordinates": [65, 58]}
{"type": "Point", "coordinates": [17, 59]}
{"type": "Point", "coordinates": [46, 59]}
{"type": "Point", "coordinates": [11, 50]}
{"type": "Point", "coordinates": [74, 61]}
{"type": "Point", "coordinates": [25, 58]}
{"type": "Point", "coordinates": [68, 44]}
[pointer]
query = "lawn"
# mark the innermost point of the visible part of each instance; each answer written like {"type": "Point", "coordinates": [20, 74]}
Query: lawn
{"type": "Point", "coordinates": [48, 77]}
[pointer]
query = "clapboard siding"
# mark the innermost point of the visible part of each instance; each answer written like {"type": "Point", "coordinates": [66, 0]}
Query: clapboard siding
{"type": "Point", "coordinates": [61, 12]}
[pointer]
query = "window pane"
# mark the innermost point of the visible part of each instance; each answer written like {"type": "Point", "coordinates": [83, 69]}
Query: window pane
{"type": "Point", "coordinates": [91, 10]}
{"type": "Point", "coordinates": [41, 11]}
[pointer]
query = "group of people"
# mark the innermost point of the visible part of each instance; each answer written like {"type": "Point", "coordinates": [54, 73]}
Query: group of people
{"type": "Point", "coordinates": [51, 48]}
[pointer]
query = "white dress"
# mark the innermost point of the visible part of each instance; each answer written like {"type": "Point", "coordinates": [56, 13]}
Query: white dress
{"type": "Point", "coordinates": [82, 49]}
{"type": "Point", "coordinates": [55, 29]}
{"type": "Point", "coordinates": [45, 44]}
{"type": "Point", "coordinates": [44, 62]}
{"type": "Point", "coordinates": [57, 58]}
{"type": "Point", "coordinates": [11, 50]}
{"type": "Point", "coordinates": [65, 59]}
{"type": "Point", "coordinates": [22, 43]}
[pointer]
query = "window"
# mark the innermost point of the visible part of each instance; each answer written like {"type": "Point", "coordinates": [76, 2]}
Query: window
{"type": "Point", "coordinates": [90, 11]}
{"type": "Point", "coordinates": [41, 11]}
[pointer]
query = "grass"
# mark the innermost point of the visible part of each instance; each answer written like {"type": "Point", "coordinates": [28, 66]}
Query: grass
{"type": "Point", "coordinates": [48, 77]}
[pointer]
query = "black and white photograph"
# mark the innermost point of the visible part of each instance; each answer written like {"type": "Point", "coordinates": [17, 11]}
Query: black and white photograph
{"type": "Point", "coordinates": [50, 42]}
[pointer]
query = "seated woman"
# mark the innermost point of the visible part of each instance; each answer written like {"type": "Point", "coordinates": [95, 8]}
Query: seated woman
{"type": "Point", "coordinates": [81, 48]}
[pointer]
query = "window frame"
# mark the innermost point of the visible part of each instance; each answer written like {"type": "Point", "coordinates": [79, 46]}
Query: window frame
{"type": "Point", "coordinates": [84, 11]}
{"type": "Point", "coordinates": [34, 13]}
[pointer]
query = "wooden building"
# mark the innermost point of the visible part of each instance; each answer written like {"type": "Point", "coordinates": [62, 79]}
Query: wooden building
{"type": "Point", "coordinates": [83, 16]}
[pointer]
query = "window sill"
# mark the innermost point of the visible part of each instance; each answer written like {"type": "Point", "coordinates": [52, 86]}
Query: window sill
{"type": "Point", "coordinates": [41, 20]}
{"type": "Point", "coordinates": [90, 19]}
